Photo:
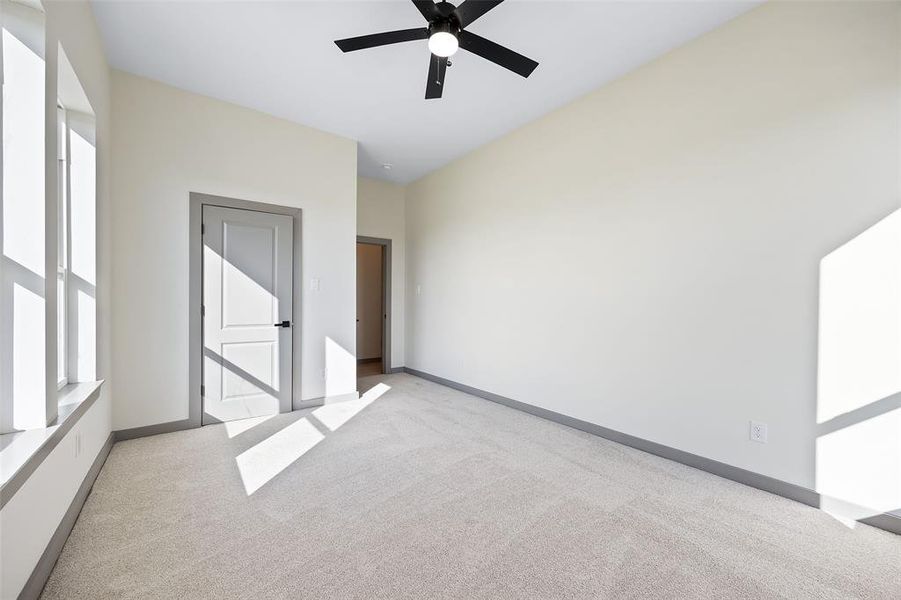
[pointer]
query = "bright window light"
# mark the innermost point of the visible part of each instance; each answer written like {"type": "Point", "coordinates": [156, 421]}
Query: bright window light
{"type": "Point", "coordinates": [236, 428]}
{"type": "Point", "coordinates": [23, 154]}
{"type": "Point", "coordinates": [335, 415]}
{"type": "Point", "coordinates": [23, 343]}
{"type": "Point", "coordinates": [259, 464]}
{"type": "Point", "coordinates": [83, 165]}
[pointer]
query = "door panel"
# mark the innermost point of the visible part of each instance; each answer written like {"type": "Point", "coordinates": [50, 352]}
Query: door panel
{"type": "Point", "coordinates": [247, 289]}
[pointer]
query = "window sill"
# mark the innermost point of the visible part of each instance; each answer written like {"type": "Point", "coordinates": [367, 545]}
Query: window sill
{"type": "Point", "coordinates": [23, 451]}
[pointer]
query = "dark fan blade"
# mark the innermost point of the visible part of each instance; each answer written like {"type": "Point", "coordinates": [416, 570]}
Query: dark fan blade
{"type": "Point", "coordinates": [435, 85]}
{"type": "Point", "coordinates": [428, 9]}
{"type": "Point", "coordinates": [471, 10]}
{"type": "Point", "coordinates": [497, 54]}
{"type": "Point", "coordinates": [382, 39]}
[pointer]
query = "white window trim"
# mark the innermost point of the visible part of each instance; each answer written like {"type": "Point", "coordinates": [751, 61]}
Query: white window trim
{"type": "Point", "coordinates": [63, 248]}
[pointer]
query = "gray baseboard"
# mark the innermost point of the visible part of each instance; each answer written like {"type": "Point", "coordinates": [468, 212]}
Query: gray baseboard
{"type": "Point", "coordinates": [137, 432]}
{"type": "Point", "coordinates": [41, 573]}
{"type": "Point", "coordinates": [887, 521]}
{"type": "Point", "coordinates": [311, 403]}
{"type": "Point", "coordinates": [397, 370]}
{"type": "Point", "coordinates": [182, 425]}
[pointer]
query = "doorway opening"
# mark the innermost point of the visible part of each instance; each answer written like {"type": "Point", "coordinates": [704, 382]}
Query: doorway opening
{"type": "Point", "coordinates": [373, 306]}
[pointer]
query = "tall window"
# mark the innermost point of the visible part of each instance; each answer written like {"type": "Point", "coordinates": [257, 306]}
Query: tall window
{"type": "Point", "coordinates": [29, 341]}
{"type": "Point", "coordinates": [76, 248]}
{"type": "Point", "coordinates": [22, 318]}
{"type": "Point", "coordinates": [81, 244]}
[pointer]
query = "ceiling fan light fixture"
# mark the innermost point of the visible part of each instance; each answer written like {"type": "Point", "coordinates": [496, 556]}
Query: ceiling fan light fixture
{"type": "Point", "coordinates": [443, 43]}
{"type": "Point", "coordinates": [446, 33]}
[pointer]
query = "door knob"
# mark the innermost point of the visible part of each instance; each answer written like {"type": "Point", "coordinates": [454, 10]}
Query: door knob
{"type": "Point", "coordinates": [283, 324]}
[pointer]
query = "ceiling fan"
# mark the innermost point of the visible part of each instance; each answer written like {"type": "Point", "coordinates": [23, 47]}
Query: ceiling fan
{"type": "Point", "coordinates": [446, 32]}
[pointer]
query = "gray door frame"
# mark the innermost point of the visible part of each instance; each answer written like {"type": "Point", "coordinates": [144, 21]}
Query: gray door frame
{"type": "Point", "coordinates": [195, 295]}
{"type": "Point", "coordinates": [386, 296]}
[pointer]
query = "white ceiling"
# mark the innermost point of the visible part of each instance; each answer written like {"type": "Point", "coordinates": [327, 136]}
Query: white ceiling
{"type": "Point", "coordinates": [279, 58]}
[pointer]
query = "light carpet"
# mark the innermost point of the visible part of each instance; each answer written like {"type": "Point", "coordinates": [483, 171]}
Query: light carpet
{"type": "Point", "coordinates": [431, 493]}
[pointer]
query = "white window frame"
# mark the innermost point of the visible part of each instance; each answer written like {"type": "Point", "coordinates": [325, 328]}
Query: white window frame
{"type": "Point", "coordinates": [63, 250]}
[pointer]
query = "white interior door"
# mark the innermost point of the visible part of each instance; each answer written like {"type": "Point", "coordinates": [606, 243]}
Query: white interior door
{"type": "Point", "coordinates": [247, 313]}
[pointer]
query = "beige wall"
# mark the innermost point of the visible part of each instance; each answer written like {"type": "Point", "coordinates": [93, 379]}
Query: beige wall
{"type": "Point", "coordinates": [168, 143]}
{"type": "Point", "coordinates": [648, 257]}
{"type": "Point", "coordinates": [380, 213]}
{"type": "Point", "coordinates": [369, 301]}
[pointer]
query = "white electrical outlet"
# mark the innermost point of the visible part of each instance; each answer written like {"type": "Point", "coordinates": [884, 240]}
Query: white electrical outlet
{"type": "Point", "coordinates": [324, 374]}
{"type": "Point", "coordinates": [758, 432]}
{"type": "Point", "coordinates": [314, 284]}
{"type": "Point", "coordinates": [418, 289]}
